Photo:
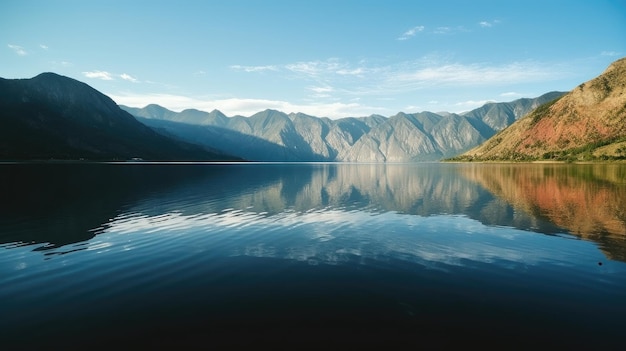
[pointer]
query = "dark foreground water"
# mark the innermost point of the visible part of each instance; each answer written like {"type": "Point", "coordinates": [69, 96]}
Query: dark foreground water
{"type": "Point", "coordinates": [331, 255]}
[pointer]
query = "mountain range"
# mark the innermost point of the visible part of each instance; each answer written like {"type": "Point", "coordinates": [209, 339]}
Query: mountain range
{"type": "Point", "coordinates": [276, 136]}
{"type": "Point", "coordinates": [56, 117]}
{"type": "Point", "coordinates": [586, 124]}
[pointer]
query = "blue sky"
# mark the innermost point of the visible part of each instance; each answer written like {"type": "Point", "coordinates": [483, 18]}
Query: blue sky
{"type": "Point", "coordinates": [325, 58]}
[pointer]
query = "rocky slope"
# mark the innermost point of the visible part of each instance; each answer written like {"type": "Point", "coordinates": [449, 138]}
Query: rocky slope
{"type": "Point", "coordinates": [587, 123]}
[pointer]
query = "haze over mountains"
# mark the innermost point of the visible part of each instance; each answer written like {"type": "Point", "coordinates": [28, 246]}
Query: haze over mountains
{"type": "Point", "coordinates": [275, 136]}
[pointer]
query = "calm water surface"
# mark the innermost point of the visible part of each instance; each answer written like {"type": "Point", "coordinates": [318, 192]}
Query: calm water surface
{"type": "Point", "coordinates": [434, 255]}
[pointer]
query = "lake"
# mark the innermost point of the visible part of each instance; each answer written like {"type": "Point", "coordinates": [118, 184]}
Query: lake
{"type": "Point", "coordinates": [334, 255]}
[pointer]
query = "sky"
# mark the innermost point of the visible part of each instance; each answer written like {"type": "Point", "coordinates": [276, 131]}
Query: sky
{"type": "Point", "coordinates": [338, 58]}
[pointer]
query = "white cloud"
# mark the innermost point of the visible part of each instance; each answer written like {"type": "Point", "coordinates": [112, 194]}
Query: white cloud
{"type": "Point", "coordinates": [329, 69]}
{"type": "Point", "coordinates": [254, 68]}
{"type": "Point", "coordinates": [609, 53]}
{"type": "Point", "coordinates": [18, 49]}
{"type": "Point", "coordinates": [321, 91]}
{"type": "Point", "coordinates": [412, 108]}
{"type": "Point", "coordinates": [246, 107]}
{"type": "Point", "coordinates": [45, 47]}
{"type": "Point", "coordinates": [449, 30]}
{"type": "Point", "coordinates": [324, 89]}
{"type": "Point", "coordinates": [410, 33]}
{"type": "Point", "coordinates": [471, 104]}
{"type": "Point", "coordinates": [128, 77]}
{"type": "Point", "coordinates": [315, 68]}
{"type": "Point", "coordinates": [351, 72]}
{"type": "Point", "coordinates": [98, 75]}
{"type": "Point", "coordinates": [511, 94]}
{"type": "Point", "coordinates": [104, 75]}
{"type": "Point", "coordinates": [475, 74]}
{"type": "Point", "coordinates": [485, 24]}
{"type": "Point", "coordinates": [442, 30]}
{"type": "Point", "coordinates": [385, 79]}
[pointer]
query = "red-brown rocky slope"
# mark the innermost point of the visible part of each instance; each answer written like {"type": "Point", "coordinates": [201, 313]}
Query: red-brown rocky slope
{"type": "Point", "coordinates": [573, 127]}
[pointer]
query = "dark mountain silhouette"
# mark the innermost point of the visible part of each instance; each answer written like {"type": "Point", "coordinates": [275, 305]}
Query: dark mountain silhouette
{"type": "Point", "coordinates": [56, 117]}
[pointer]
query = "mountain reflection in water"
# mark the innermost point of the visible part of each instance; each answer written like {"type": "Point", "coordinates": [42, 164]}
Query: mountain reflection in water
{"type": "Point", "coordinates": [416, 252]}
{"type": "Point", "coordinates": [588, 200]}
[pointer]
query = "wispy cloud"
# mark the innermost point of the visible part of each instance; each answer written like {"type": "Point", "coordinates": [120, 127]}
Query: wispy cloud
{"type": "Point", "coordinates": [349, 80]}
{"type": "Point", "coordinates": [410, 33]}
{"type": "Point", "coordinates": [330, 69]}
{"type": "Point", "coordinates": [476, 74]}
{"type": "Point", "coordinates": [324, 89]}
{"type": "Point", "coordinates": [471, 104]}
{"type": "Point", "coordinates": [442, 30]}
{"type": "Point", "coordinates": [18, 49]}
{"type": "Point", "coordinates": [245, 106]}
{"type": "Point", "coordinates": [449, 30]}
{"type": "Point", "coordinates": [610, 53]}
{"type": "Point", "coordinates": [488, 24]}
{"type": "Point", "coordinates": [104, 75]}
{"type": "Point", "coordinates": [254, 68]}
{"type": "Point", "coordinates": [45, 47]}
{"type": "Point", "coordinates": [321, 91]}
{"type": "Point", "coordinates": [359, 71]}
{"type": "Point", "coordinates": [128, 77]}
{"type": "Point", "coordinates": [339, 88]}
{"type": "Point", "coordinates": [511, 94]}
{"type": "Point", "coordinates": [316, 68]}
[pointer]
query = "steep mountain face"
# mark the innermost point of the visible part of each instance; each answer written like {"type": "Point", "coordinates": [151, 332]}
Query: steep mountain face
{"type": "Point", "coordinates": [274, 136]}
{"type": "Point", "coordinates": [268, 135]}
{"type": "Point", "coordinates": [422, 136]}
{"type": "Point", "coordinates": [587, 123]}
{"type": "Point", "coordinates": [314, 131]}
{"type": "Point", "coordinates": [51, 116]}
{"type": "Point", "coordinates": [501, 115]}
{"type": "Point", "coordinates": [400, 138]}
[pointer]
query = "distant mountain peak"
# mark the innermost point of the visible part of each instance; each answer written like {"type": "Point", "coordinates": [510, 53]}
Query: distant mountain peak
{"type": "Point", "coordinates": [46, 75]}
{"type": "Point", "coordinates": [155, 106]}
